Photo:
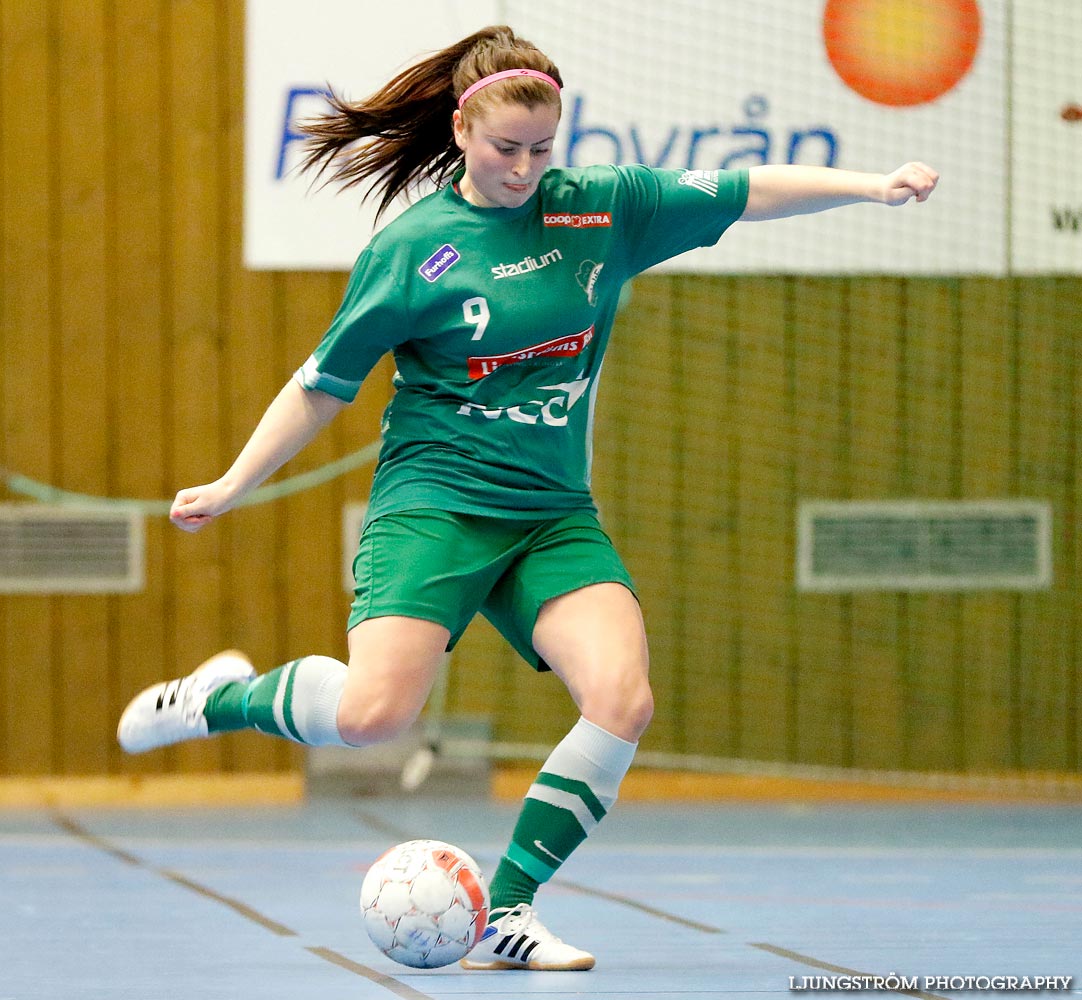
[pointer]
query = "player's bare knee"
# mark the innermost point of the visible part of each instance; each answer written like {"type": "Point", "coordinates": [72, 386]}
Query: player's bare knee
{"type": "Point", "coordinates": [624, 709]}
{"type": "Point", "coordinates": [378, 721]}
{"type": "Point", "coordinates": [638, 711]}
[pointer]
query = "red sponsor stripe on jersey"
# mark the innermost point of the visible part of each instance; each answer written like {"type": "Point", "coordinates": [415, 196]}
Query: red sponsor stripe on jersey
{"type": "Point", "coordinates": [570, 346]}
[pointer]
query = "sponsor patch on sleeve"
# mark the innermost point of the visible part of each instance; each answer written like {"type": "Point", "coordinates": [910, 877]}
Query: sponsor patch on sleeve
{"type": "Point", "coordinates": [439, 262]}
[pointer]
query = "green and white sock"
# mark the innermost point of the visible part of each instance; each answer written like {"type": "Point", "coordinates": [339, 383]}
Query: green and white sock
{"type": "Point", "coordinates": [574, 790]}
{"type": "Point", "coordinates": [298, 701]}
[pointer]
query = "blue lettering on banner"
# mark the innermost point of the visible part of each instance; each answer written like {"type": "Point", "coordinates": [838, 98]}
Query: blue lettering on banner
{"type": "Point", "coordinates": [746, 143]}
{"type": "Point", "coordinates": [701, 146]}
{"type": "Point", "coordinates": [290, 133]}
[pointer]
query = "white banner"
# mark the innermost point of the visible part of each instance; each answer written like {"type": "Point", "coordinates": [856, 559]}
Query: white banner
{"type": "Point", "coordinates": [679, 85]}
{"type": "Point", "coordinates": [294, 52]}
{"type": "Point", "coordinates": [1046, 160]}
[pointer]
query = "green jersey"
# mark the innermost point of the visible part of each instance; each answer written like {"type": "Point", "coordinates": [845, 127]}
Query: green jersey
{"type": "Point", "coordinates": [498, 319]}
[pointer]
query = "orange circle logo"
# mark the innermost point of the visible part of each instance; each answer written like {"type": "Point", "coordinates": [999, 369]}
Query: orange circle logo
{"type": "Point", "coordinates": [901, 52]}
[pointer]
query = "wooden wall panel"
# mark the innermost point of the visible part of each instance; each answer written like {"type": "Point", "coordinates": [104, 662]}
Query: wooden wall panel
{"type": "Point", "coordinates": [31, 440]}
{"type": "Point", "coordinates": [138, 338]}
{"type": "Point", "coordinates": [764, 511]}
{"type": "Point", "coordinates": [84, 302]}
{"type": "Point", "coordinates": [987, 423]}
{"type": "Point", "coordinates": [489, 680]}
{"type": "Point", "coordinates": [317, 607]}
{"type": "Point", "coordinates": [645, 403]}
{"type": "Point", "coordinates": [930, 637]}
{"type": "Point", "coordinates": [138, 354]}
{"type": "Point", "coordinates": [819, 383]}
{"type": "Point", "coordinates": [256, 365]}
{"type": "Point", "coordinates": [876, 308]}
{"type": "Point", "coordinates": [253, 537]}
{"type": "Point", "coordinates": [706, 325]}
{"type": "Point", "coordinates": [1069, 302]}
{"type": "Point", "coordinates": [195, 262]}
{"type": "Point", "coordinates": [1045, 469]}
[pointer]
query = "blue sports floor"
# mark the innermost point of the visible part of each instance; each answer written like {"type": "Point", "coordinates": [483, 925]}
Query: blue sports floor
{"type": "Point", "coordinates": [678, 902]}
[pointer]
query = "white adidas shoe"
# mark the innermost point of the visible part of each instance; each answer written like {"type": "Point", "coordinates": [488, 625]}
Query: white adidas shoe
{"type": "Point", "coordinates": [518, 940]}
{"type": "Point", "coordinates": [172, 712]}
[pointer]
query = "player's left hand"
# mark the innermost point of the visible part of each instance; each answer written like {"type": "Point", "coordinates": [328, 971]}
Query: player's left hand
{"type": "Point", "coordinates": [912, 180]}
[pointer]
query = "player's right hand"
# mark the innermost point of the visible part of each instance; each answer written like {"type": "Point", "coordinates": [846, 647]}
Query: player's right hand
{"type": "Point", "coordinates": [197, 506]}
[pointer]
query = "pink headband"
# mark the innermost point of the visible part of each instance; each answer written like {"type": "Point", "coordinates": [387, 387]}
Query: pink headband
{"type": "Point", "coordinates": [506, 75]}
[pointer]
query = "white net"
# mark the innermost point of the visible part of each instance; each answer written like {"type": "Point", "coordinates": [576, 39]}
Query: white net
{"type": "Point", "coordinates": [926, 353]}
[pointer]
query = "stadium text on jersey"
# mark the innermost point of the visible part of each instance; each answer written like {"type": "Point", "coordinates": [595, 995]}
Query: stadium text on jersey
{"type": "Point", "coordinates": [526, 265]}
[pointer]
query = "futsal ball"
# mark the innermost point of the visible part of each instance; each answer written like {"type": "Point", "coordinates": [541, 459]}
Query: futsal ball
{"type": "Point", "coordinates": [424, 903]}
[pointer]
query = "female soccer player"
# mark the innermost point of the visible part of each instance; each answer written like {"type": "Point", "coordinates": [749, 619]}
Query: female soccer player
{"type": "Point", "coordinates": [496, 295]}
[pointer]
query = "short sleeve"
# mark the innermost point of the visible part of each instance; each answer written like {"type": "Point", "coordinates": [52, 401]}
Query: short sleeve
{"type": "Point", "coordinates": [678, 210]}
{"type": "Point", "coordinates": [371, 321]}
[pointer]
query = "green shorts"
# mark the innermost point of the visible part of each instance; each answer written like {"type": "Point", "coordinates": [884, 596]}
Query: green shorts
{"type": "Point", "coordinates": [445, 567]}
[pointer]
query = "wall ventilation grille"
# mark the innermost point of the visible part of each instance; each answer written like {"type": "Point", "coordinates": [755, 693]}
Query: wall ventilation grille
{"type": "Point", "coordinates": [924, 545]}
{"type": "Point", "coordinates": [70, 550]}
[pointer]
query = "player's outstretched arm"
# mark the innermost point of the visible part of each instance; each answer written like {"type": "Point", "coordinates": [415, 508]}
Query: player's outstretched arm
{"type": "Point", "coordinates": [776, 191]}
{"type": "Point", "coordinates": [293, 418]}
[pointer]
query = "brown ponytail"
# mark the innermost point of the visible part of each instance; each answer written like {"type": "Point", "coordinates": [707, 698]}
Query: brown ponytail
{"type": "Point", "coordinates": [407, 123]}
